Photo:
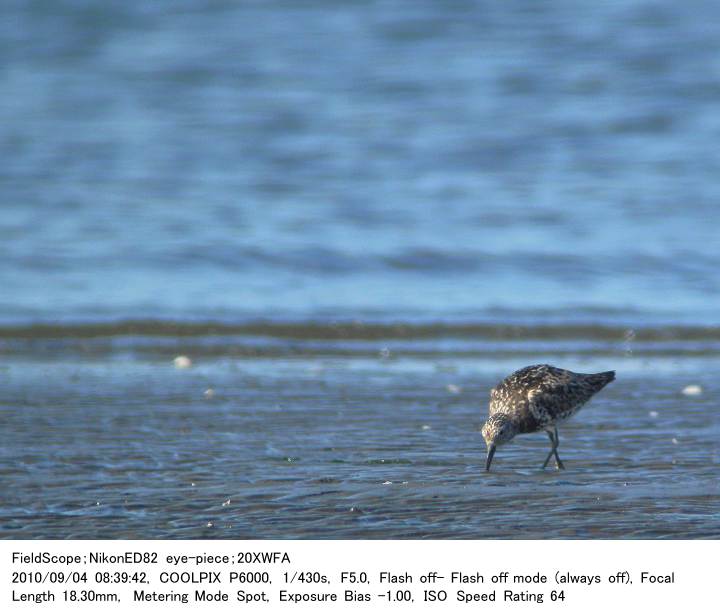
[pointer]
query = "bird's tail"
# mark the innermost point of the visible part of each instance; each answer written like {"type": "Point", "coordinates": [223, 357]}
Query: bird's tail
{"type": "Point", "coordinates": [600, 379]}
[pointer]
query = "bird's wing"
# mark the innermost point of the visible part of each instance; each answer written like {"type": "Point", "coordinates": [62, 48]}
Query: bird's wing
{"type": "Point", "coordinates": [561, 394]}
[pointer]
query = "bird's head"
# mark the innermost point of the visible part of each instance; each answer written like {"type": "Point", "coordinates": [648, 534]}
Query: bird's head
{"type": "Point", "coordinates": [497, 430]}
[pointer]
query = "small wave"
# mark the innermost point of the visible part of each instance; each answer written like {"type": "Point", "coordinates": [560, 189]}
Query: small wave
{"type": "Point", "coordinates": [359, 330]}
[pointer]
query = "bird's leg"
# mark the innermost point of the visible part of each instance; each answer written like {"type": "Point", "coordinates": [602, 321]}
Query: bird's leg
{"type": "Point", "coordinates": [558, 461]}
{"type": "Point", "coordinates": [555, 440]}
{"type": "Point", "coordinates": [552, 450]}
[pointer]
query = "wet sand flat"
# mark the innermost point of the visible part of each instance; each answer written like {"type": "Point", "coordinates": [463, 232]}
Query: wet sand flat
{"type": "Point", "coordinates": [330, 437]}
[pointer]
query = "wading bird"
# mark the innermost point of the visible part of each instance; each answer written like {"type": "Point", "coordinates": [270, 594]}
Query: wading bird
{"type": "Point", "coordinates": [538, 398]}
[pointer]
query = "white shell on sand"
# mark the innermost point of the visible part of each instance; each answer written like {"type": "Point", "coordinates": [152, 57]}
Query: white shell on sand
{"type": "Point", "coordinates": [692, 390]}
{"type": "Point", "coordinates": [182, 362]}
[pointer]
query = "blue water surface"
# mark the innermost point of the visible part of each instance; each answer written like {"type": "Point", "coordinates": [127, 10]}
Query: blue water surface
{"type": "Point", "coordinates": [281, 159]}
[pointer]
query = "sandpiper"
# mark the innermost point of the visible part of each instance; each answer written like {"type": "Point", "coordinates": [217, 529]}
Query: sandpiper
{"type": "Point", "coordinates": [538, 398]}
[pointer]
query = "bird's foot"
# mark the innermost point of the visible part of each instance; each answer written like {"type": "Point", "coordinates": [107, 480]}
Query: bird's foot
{"type": "Point", "coordinates": [558, 462]}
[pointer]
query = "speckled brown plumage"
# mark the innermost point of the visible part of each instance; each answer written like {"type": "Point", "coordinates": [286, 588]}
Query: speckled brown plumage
{"type": "Point", "coordinates": [538, 398]}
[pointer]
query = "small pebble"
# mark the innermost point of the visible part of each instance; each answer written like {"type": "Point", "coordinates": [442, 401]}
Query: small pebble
{"type": "Point", "coordinates": [692, 390]}
{"type": "Point", "coordinates": [182, 362]}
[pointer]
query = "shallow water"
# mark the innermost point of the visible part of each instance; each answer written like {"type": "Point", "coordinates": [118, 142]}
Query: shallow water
{"type": "Point", "coordinates": [355, 218]}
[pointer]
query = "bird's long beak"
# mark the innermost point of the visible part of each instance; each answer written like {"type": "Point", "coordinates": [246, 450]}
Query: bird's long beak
{"type": "Point", "coordinates": [491, 453]}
